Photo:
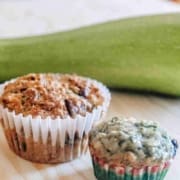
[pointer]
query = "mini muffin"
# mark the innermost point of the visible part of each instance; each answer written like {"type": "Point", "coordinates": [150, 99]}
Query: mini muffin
{"type": "Point", "coordinates": [47, 117]}
{"type": "Point", "coordinates": [124, 149]}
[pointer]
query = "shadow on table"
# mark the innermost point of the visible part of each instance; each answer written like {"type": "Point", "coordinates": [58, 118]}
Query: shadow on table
{"type": "Point", "coordinates": [144, 93]}
{"type": "Point", "coordinates": [76, 170]}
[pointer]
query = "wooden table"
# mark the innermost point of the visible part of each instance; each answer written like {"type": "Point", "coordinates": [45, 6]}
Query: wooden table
{"type": "Point", "coordinates": [164, 110]}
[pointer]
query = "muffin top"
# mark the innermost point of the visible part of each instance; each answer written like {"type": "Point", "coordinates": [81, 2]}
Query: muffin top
{"type": "Point", "coordinates": [53, 95]}
{"type": "Point", "coordinates": [132, 142]}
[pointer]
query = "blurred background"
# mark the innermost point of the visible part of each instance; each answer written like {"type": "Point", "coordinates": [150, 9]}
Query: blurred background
{"type": "Point", "coordinates": [29, 17]}
{"type": "Point", "coordinates": [19, 18]}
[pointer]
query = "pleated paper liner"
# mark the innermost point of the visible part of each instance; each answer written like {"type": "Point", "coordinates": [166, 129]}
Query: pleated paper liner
{"type": "Point", "coordinates": [51, 141]}
{"type": "Point", "coordinates": [103, 171]}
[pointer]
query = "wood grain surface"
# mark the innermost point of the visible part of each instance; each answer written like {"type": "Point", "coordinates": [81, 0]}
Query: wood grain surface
{"type": "Point", "coordinates": [164, 110]}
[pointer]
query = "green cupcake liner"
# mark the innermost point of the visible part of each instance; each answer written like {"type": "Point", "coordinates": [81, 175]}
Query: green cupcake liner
{"type": "Point", "coordinates": [103, 172]}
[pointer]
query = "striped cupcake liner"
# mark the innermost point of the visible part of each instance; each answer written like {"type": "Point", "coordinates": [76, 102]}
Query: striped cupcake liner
{"type": "Point", "coordinates": [102, 171]}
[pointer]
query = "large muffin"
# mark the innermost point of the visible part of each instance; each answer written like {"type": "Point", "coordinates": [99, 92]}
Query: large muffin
{"type": "Point", "coordinates": [47, 117]}
{"type": "Point", "coordinates": [130, 149]}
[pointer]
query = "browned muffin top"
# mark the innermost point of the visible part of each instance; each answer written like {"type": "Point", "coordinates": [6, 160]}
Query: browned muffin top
{"type": "Point", "coordinates": [51, 95]}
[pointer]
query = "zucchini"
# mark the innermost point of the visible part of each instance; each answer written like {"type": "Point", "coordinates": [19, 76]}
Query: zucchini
{"type": "Point", "coordinates": [138, 53]}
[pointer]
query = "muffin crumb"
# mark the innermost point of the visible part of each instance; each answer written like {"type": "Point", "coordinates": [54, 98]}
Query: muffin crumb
{"type": "Point", "coordinates": [51, 95]}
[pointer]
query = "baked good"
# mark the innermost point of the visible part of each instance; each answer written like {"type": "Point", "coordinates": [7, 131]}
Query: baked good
{"type": "Point", "coordinates": [130, 149]}
{"type": "Point", "coordinates": [46, 117]}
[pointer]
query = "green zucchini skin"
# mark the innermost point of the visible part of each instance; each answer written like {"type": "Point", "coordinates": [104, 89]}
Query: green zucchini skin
{"type": "Point", "coordinates": [139, 53]}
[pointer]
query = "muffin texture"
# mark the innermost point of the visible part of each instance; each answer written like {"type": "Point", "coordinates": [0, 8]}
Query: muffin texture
{"type": "Point", "coordinates": [47, 117]}
{"type": "Point", "coordinates": [131, 149]}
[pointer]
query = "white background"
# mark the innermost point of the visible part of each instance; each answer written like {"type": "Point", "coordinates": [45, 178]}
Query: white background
{"type": "Point", "coordinates": [28, 17]}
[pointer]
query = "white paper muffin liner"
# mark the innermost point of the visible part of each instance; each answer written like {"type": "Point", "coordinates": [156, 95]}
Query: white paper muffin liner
{"type": "Point", "coordinates": [57, 128]}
